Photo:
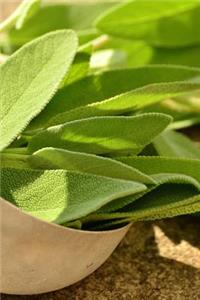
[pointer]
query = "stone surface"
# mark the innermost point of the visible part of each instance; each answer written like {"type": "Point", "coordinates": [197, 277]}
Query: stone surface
{"type": "Point", "coordinates": [156, 261]}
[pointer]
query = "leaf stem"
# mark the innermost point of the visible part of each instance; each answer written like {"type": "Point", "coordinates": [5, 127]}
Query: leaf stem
{"type": "Point", "coordinates": [19, 151]}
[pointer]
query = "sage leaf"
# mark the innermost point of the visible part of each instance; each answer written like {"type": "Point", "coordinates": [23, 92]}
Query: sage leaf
{"type": "Point", "coordinates": [158, 164]}
{"type": "Point", "coordinates": [26, 90]}
{"type": "Point", "coordinates": [178, 206]}
{"type": "Point", "coordinates": [128, 102]}
{"type": "Point", "coordinates": [188, 206]}
{"type": "Point", "coordinates": [188, 56]}
{"type": "Point", "coordinates": [161, 200]}
{"type": "Point", "coordinates": [61, 196]}
{"type": "Point", "coordinates": [175, 144]}
{"type": "Point", "coordinates": [80, 67]}
{"type": "Point", "coordinates": [108, 84]}
{"type": "Point", "coordinates": [165, 24]}
{"type": "Point", "coordinates": [185, 110]}
{"type": "Point", "coordinates": [140, 53]}
{"type": "Point", "coordinates": [160, 179]}
{"type": "Point", "coordinates": [103, 135]}
{"type": "Point", "coordinates": [53, 158]}
{"type": "Point", "coordinates": [187, 122]}
{"type": "Point", "coordinates": [51, 17]}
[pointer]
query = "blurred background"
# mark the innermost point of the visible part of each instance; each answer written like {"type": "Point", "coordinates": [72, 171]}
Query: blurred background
{"type": "Point", "coordinates": [7, 6]}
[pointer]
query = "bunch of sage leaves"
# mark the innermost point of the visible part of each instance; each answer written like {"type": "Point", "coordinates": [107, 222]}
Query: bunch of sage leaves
{"type": "Point", "coordinates": [89, 145]}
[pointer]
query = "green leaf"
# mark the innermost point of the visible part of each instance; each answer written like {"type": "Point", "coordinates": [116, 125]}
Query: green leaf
{"type": "Point", "coordinates": [188, 206]}
{"type": "Point", "coordinates": [126, 203]}
{"type": "Point", "coordinates": [23, 12]}
{"type": "Point", "coordinates": [103, 135]}
{"type": "Point", "coordinates": [52, 17]}
{"type": "Point", "coordinates": [175, 144]}
{"type": "Point", "coordinates": [108, 84]}
{"type": "Point", "coordinates": [26, 90]}
{"type": "Point", "coordinates": [127, 102]}
{"type": "Point", "coordinates": [141, 53]}
{"type": "Point", "coordinates": [187, 122]}
{"type": "Point", "coordinates": [172, 192]}
{"type": "Point", "coordinates": [185, 110]}
{"type": "Point", "coordinates": [53, 158]}
{"type": "Point", "coordinates": [164, 198]}
{"type": "Point", "coordinates": [76, 194]}
{"type": "Point", "coordinates": [178, 206]}
{"type": "Point", "coordinates": [88, 36]}
{"type": "Point", "coordinates": [188, 56]}
{"type": "Point", "coordinates": [157, 164]}
{"type": "Point", "coordinates": [163, 23]}
{"type": "Point", "coordinates": [80, 66]}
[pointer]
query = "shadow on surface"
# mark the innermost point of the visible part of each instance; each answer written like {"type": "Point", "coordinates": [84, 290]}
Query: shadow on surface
{"type": "Point", "coordinates": [137, 271]}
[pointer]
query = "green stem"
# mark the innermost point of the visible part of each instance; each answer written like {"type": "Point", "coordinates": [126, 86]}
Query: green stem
{"type": "Point", "coordinates": [14, 160]}
{"type": "Point", "coordinates": [14, 151]}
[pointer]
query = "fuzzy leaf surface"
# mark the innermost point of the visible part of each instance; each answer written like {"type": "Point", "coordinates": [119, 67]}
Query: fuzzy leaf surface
{"type": "Point", "coordinates": [103, 135]}
{"type": "Point", "coordinates": [54, 158]}
{"type": "Point", "coordinates": [181, 206]}
{"type": "Point", "coordinates": [26, 90]}
{"type": "Point", "coordinates": [61, 196]}
{"type": "Point", "coordinates": [126, 203]}
{"type": "Point", "coordinates": [127, 102]}
{"type": "Point", "coordinates": [109, 84]}
{"type": "Point", "coordinates": [157, 164]}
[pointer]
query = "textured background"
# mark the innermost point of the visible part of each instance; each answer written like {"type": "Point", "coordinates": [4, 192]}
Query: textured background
{"type": "Point", "coordinates": [156, 260]}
